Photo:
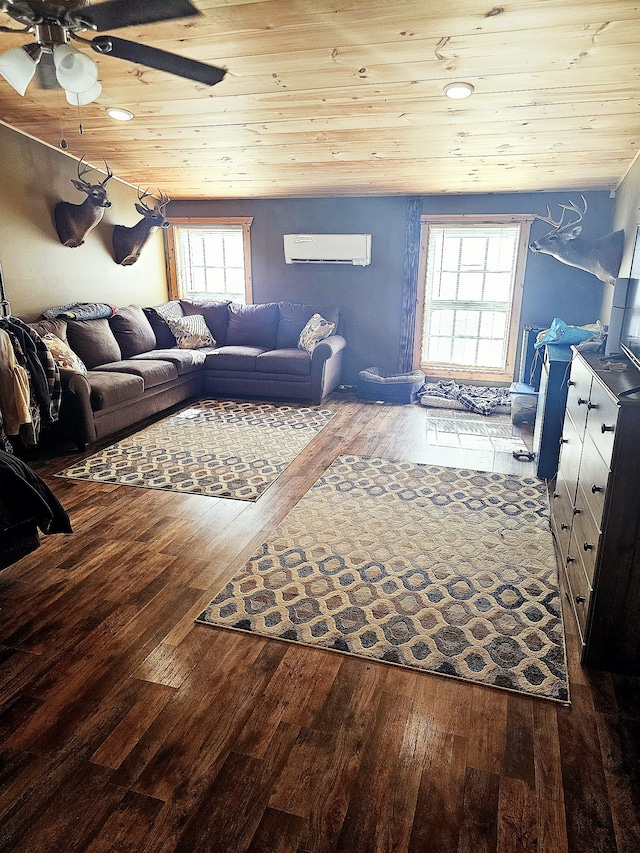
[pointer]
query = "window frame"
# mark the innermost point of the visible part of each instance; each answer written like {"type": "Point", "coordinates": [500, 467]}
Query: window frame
{"type": "Point", "coordinates": [482, 374]}
{"type": "Point", "coordinates": [209, 222]}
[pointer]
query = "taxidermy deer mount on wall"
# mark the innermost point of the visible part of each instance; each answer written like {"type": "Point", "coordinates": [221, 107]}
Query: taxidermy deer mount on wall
{"type": "Point", "coordinates": [601, 257]}
{"type": "Point", "coordinates": [74, 221]}
{"type": "Point", "coordinates": [129, 242]}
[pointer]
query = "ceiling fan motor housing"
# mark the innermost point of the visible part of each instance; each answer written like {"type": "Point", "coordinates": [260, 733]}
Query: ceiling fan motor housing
{"type": "Point", "coordinates": [50, 35]}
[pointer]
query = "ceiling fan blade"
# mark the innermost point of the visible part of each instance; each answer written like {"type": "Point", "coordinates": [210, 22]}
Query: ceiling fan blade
{"type": "Point", "coordinates": [160, 59]}
{"type": "Point", "coordinates": [115, 14]}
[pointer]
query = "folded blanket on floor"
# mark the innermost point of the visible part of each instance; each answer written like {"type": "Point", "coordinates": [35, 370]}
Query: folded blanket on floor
{"type": "Point", "coordinates": [482, 400]}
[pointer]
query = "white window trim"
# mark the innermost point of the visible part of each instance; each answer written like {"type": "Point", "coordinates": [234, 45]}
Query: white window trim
{"type": "Point", "coordinates": [209, 221]}
{"type": "Point", "coordinates": [487, 375]}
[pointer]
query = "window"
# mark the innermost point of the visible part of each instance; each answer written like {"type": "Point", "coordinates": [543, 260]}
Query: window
{"type": "Point", "coordinates": [210, 259]}
{"type": "Point", "coordinates": [471, 277]}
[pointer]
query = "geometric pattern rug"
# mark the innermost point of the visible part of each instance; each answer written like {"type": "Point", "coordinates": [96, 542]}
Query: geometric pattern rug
{"type": "Point", "coordinates": [445, 570]}
{"type": "Point", "coordinates": [218, 448]}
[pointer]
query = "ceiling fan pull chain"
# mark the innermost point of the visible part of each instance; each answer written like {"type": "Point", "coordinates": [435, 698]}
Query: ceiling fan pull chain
{"type": "Point", "coordinates": [63, 142]}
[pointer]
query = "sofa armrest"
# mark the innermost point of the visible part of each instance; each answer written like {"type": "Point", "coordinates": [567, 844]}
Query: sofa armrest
{"type": "Point", "coordinates": [76, 407]}
{"type": "Point", "coordinates": [328, 347]}
{"type": "Point", "coordinates": [326, 366]}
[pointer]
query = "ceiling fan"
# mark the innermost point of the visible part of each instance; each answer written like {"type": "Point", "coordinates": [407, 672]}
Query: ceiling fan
{"type": "Point", "coordinates": [58, 63]}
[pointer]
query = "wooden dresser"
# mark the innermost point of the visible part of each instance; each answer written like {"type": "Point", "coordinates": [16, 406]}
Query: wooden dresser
{"type": "Point", "coordinates": [595, 511]}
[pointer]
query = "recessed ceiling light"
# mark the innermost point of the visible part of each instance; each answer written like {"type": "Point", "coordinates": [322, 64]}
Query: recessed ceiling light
{"type": "Point", "coordinates": [119, 114]}
{"type": "Point", "coordinates": [458, 91]}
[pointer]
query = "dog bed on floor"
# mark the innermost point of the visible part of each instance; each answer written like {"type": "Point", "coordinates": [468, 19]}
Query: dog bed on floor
{"type": "Point", "coordinates": [375, 384]}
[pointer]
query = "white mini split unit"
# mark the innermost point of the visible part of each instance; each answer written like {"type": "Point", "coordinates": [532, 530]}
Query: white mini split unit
{"type": "Point", "coordinates": [328, 249]}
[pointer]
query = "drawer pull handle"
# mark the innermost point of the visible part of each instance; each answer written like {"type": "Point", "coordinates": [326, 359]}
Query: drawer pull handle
{"type": "Point", "coordinates": [570, 382]}
{"type": "Point", "coordinates": [582, 402]}
{"type": "Point", "coordinates": [576, 511]}
{"type": "Point", "coordinates": [580, 599]}
{"type": "Point", "coordinates": [564, 526]}
{"type": "Point", "coordinates": [556, 495]}
{"type": "Point", "coordinates": [604, 428]}
{"type": "Point", "coordinates": [592, 406]}
{"type": "Point", "coordinates": [570, 560]}
{"type": "Point", "coordinates": [587, 546]}
{"type": "Point", "coordinates": [564, 441]}
{"type": "Point", "coordinates": [595, 489]}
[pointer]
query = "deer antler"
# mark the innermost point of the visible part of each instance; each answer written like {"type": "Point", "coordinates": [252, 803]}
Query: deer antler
{"type": "Point", "coordinates": [109, 173]}
{"type": "Point", "coordinates": [83, 168]}
{"type": "Point", "coordinates": [141, 198]}
{"type": "Point", "coordinates": [548, 219]}
{"type": "Point", "coordinates": [573, 207]}
{"type": "Point", "coordinates": [163, 201]}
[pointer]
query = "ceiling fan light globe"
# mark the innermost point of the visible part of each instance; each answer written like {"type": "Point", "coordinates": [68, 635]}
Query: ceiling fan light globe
{"type": "Point", "coordinates": [17, 67]}
{"type": "Point", "coordinates": [81, 99]}
{"type": "Point", "coordinates": [62, 52]}
{"type": "Point", "coordinates": [75, 71]}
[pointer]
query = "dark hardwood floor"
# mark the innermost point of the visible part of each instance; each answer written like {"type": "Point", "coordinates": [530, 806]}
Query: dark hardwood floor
{"type": "Point", "coordinates": [126, 727]}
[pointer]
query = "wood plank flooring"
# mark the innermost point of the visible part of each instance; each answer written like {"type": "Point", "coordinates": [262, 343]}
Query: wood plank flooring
{"type": "Point", "coordinates": [126, 727]}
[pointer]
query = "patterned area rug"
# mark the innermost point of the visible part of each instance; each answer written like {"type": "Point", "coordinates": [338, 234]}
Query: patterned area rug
{"type": "Point", "coordinates": [445, 570]}
{"type": "Point", "coordinates": [218, 448]}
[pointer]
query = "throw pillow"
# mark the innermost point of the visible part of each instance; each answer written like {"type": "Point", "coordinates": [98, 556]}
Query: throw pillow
{"type": "Point", "coordinates": [191, 332]}
{"type": "Point", "coordinates": [157, 317]}
{"type": "Point", "coordinates": [253, 325]}
{"type": "Point", "coordinates": [316, 330]}
{"type": "Point", "coordinates": [63, 355]}
{"type": "Point", "coordinates": [132, 330]}
{"type": "Point", "coordinates": [93, 341]}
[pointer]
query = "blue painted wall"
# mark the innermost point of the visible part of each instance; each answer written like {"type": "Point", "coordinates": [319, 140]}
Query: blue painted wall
{"type": "Point", "coordinates": [370, 297]}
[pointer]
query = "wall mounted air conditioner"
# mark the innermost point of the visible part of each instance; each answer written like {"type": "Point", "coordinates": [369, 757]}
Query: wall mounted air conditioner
{"type": "Point", "coordinates": [328, 249]}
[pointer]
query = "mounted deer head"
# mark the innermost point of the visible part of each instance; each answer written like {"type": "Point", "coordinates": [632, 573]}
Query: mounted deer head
{"type": "Point", "coordinates": [600, 257]}
{"type": "Point", "coordinates": [129, 242]}
{"type": "Point", "coordinates": [74, 221]}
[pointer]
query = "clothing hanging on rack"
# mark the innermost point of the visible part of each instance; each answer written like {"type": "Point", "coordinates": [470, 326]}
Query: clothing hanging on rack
{"type": "Point", "coordinates": [24, 353]}
{"type": "Point", "coordinates": [14, 387]}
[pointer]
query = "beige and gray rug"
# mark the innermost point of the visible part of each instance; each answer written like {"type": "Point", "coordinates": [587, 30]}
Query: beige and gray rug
{"type": "Point", "coordinates": [444, 570]}
{"type": "Point", "coordinates": [218, 448]}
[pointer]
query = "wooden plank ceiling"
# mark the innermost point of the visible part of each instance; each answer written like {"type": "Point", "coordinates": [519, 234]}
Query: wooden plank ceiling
{"type": "Point", "coordinates": [345, 97]}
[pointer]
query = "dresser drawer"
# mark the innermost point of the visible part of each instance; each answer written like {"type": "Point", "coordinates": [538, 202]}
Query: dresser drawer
{"type": "Point", "coordinates": [578, 394]}
{"type": "Point", "coordinates": [561, 517]}
{"type": "Point", "coordinates": [586, 535]}
{"type": "Point", "coordinates": [570, 455]}
{"type": "Point", "coordinates": [579, 589]}
{"type": "Point", "coordinates": [602, 420]}
{"type": "Point", "coordinates": [594, 476]}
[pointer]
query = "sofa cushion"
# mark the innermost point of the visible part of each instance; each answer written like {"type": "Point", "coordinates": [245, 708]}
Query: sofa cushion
{"type": "Point", "coordinates": [157, 317]}
{"type": "Point", "coordinates": [63, 355]}
{"type": "Point", "coordinates": [191, 332]}
{"type": "Point", "coordinates": [253, 325]}
{"type": "Point", "coordinates": [184, 360]}
{"type": "Point", "coordinates": [293, 319]}
{"type": "Point", "coordinates": [56, 326]}
{"type": "Point", "coordinates": [233, 358]}
{"type": "Point", "coordinates": [93, 341]}
{"type": "Point", "coordinates": [292, 362]}
{"type": "Point", "coordinates": [152, 373]}
{"type": "Point", "coordinates": [216, 316]}
{"type": "Point", "coordinates": [113, 389]}
{"type": "Point", "coordinates": [132, 330]}
{"type": "Point", "coordinates": [316, 330]}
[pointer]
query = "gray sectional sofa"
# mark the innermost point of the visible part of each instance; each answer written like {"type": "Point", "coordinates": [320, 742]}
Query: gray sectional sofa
{"type": "Point", "coordinates": [135, 369]}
